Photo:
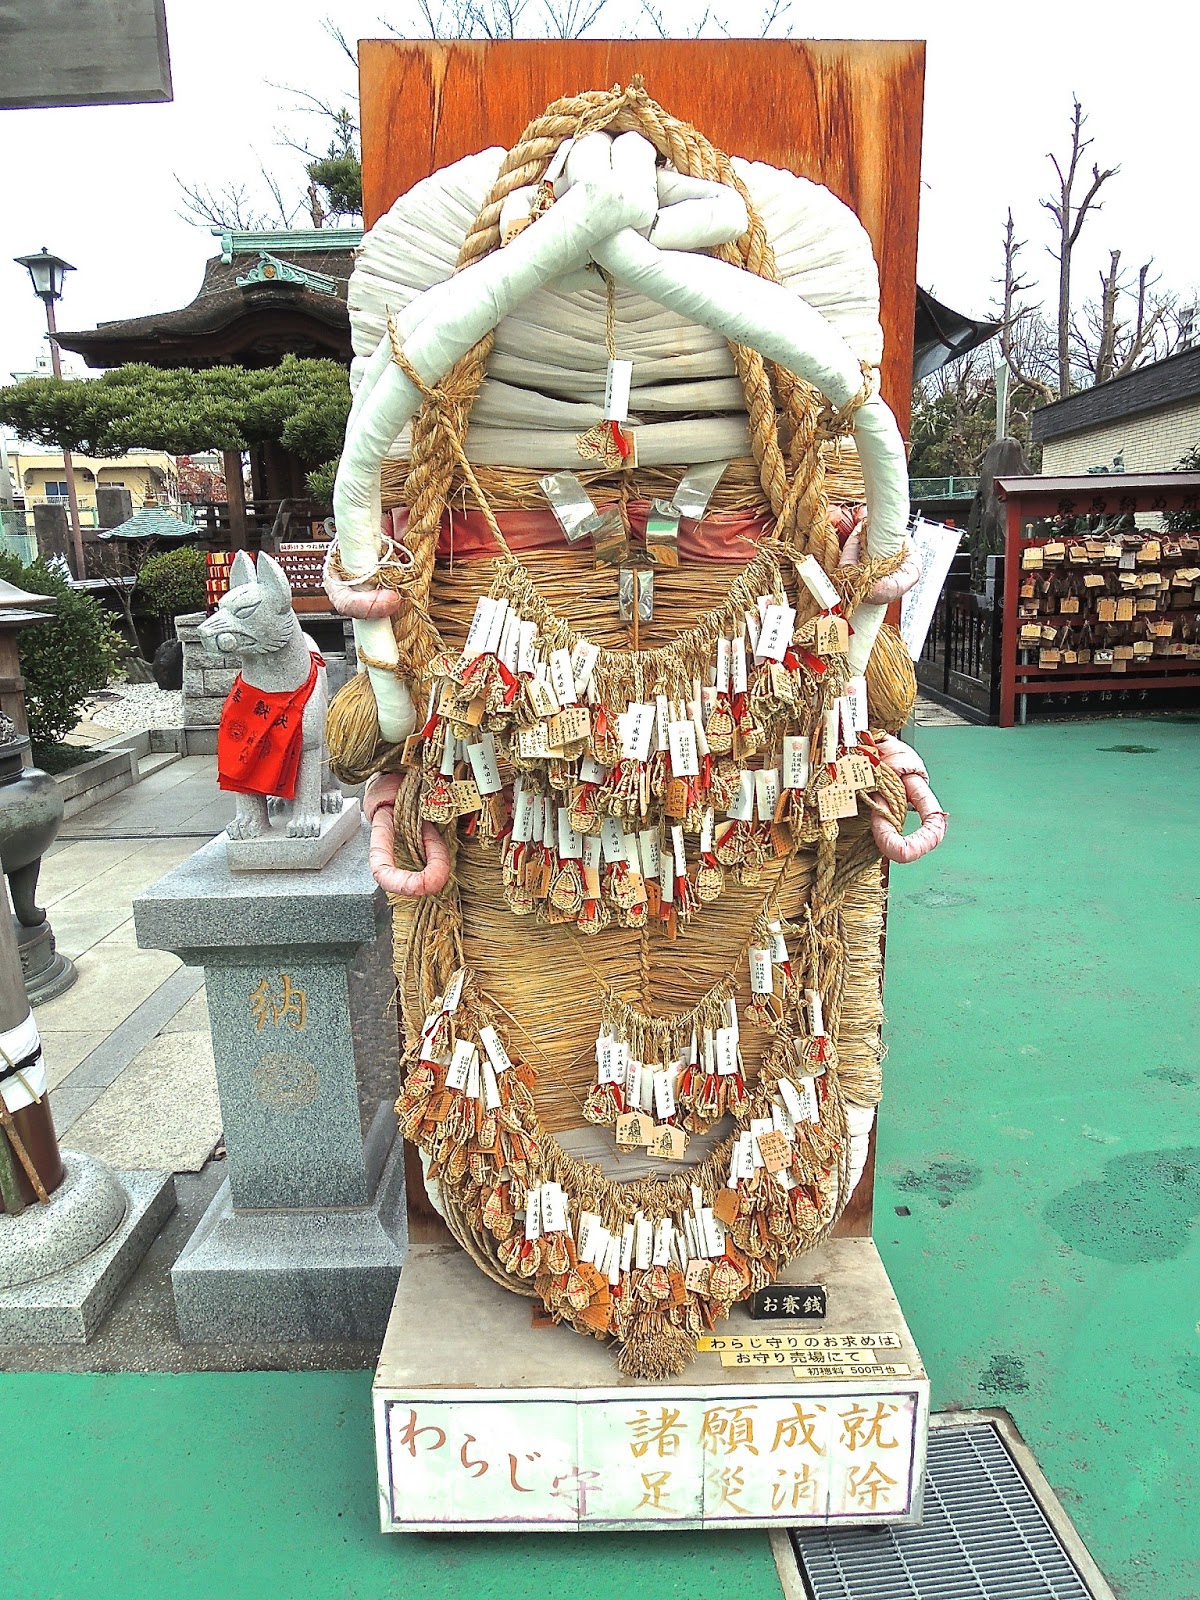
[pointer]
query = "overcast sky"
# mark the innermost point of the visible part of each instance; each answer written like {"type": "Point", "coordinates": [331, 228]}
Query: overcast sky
{"type": "Point", "coordinates": [97, 185]}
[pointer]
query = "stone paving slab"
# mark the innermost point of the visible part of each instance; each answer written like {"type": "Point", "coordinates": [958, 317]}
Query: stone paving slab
{"type": "Point", "coordinates": [161, 1112]}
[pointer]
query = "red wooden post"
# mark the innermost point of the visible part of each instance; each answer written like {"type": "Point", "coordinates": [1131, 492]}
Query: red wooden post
{"type": "Point", "coordinates": [1009, 624]}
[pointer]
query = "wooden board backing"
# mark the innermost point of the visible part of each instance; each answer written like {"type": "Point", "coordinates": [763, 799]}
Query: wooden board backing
{"type": "Point", "coordinates": [846, 113]}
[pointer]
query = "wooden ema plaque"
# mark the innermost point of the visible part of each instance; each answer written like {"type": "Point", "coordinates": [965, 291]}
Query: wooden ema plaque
{"type": "Point", "coordinates": [845, 113]}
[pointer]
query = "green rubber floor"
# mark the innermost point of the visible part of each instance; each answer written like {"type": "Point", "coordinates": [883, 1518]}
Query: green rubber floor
{"type": "Point", "coordinates": [1039, 1184]}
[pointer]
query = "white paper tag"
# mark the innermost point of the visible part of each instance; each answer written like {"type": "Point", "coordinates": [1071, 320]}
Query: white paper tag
{"type": "Point", "coordinates": [460, 1065]}
{"type": "Point", "coordinates": [570, 843]}
{"type": "Point", "coordinates": [815, 579]}
{"type": "Point", "coordinates": [637, 731]}
{"type": "Point", "coordinates": [795, 761]}
{"type": "Point", "coordinates": [856, 692]}
{"type": "Point", "coordinates": [454, 990]}
{"type": "Point", "coordinates": [493, 1046]}
{"type": "Point", "coordinates": [554, 1209]}
{"type": "Point", "coordinates": [742, 808]}
{"type": "Point", "coordinates": [766, 794]}
{"type": "Point", "coordinates": [778, 625]}
{"type": "Point", "coordinates": [849, 733]}
{"type": "Point", "coordinates": [507, 650]}
{"type": "Point", "coordinates": [526, 656]}
{"type": "Point", "coordinates": [562, 678]}
{"type": "Point", "coordinates": [662, 716]}
{"type": "Point", "coordinates": [648, 852]}
{"type": "Point", "coordinates": [812, 1106]}
{"type": "Point", "coordinates": [495, 628]}
{"type": "Point", "coordinates": [616, 390]}
{"type": "Point", "coordinates": [664, 1095]}
{"type": "Point", "coordinates": [590, 770]}
{"type": "Point", "coordinates": [707, 823]}
{"type": "Point", "coordinates": [485, 608]}
{"type": "Point", "coordinates": [829, 736]}
{"type": "Point", "coordinates": [612, 840]}
{"type": "Point", "coordinates": [739, 667]}
{"type": "Point", "coordinates": [662, 1243]}
{"type": "Point", "coordinates": [533, 1214]}
{"type": "Point", "coordinates": [610, 1061]}
{"type": "Point", "coordinates": [685, 762]}
{"type": "Point", "coordinates": [484, 766]}
{"type": "Point", "coordinates": [491, 1089]}
{"type": "Point", "coordinates": [723, 666]}
{"type": "Point", "coordinates": [760, 972]}
{"type": "Point", "coordinates": [725, 1050]}
{"type": "Point", "coordinates": [643, 1241]}
{"type": "Point", "coordinates": [815, 1012]}
{"type": "Point", "coordinates": [583, 662]}
{"type": "Point", "coordinates": [679, 851]}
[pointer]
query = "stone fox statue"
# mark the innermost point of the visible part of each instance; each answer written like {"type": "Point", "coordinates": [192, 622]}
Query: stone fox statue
{"type": "Point", "coordinates": [272, 737]}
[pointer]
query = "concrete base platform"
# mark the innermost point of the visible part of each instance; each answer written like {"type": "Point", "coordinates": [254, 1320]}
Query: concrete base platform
{"type": "Point", "coordinates": [248, 1276]}
{"type": "Point", "coordinates": [275, 852]}
{"type": "Point", "coordinates": [67, 1307]}
{"type": "Point", "coordinates": [777, 1422]}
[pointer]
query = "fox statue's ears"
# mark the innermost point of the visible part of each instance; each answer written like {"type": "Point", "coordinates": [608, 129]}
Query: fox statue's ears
{"type": "Point", "coordinates": [273, 582]}
{"type": "Point", "coordinates": [242, 570]}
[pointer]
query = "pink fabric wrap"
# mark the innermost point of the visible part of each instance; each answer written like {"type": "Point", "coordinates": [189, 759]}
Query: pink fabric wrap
{"type": "Point", "coordinates": [907, 764]}
{"type": "Point", "coordinates": [379, 803]}
{"type": "Point", "coordinates": [351, 600]}
{"type": "Point", "coordinates": [884, 590]}
{"type": "Point", "coordinates": [465, 536]}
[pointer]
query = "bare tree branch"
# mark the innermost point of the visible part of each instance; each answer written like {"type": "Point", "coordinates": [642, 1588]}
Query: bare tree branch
{"type": "Point", "coordinates": [340, 39]}
{"type": "Point", "coordinates": [1070, 218]}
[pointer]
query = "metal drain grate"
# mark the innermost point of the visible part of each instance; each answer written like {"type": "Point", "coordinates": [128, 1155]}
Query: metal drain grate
{"type": "Point", "coordinates": [985, 1536]}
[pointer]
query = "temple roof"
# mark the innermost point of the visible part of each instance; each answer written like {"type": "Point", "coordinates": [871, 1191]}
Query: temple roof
{"type": "Point", "coordinates": [265, 296]}
{"type": "Point", "coordinates": [150, 522]}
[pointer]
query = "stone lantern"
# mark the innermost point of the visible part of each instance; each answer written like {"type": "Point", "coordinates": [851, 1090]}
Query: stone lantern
{"type": "Point", "coordinates": [31, 807]}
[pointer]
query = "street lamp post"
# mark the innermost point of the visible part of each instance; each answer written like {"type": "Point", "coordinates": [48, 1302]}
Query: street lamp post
{"type": "Point", "coordinates": [47, 273]}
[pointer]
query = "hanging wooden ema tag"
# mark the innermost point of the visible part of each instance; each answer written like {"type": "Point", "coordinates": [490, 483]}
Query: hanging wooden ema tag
{"type": "Point", "coordinates": [775, 1151]}
{"type": "Point", "coordinates": [634, 1131]}
{"type": "Point", "coordinates": [836, 800]}
{"type": "Point", "coordinates": [833, 635]}
{"type": "Point", "coordinates": [668, 1142]}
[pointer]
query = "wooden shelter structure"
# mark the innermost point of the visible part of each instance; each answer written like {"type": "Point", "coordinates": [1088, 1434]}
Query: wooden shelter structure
{"type": "Point", "coordinates": [266, 295]}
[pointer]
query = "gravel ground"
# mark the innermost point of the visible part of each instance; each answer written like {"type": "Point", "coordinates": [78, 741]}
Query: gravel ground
{"type": "Point", "coordinates": [135, 707]}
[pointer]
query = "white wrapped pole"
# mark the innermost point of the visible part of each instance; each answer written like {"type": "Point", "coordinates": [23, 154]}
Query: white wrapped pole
{"type": "Point", "coordinates": [445, 322]}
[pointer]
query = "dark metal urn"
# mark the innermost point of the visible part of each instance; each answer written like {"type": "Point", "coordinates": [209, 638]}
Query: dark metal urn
{"type": "Point", "coordinates": [31, 810]}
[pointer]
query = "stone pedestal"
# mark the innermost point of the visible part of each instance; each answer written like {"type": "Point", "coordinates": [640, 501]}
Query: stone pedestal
{"type": "Point", "coordinates": [307, 1237]}
{"type": "Point", "coordinates": [63, 1264]}
{"type": "Point", "coordinates": [207, 679]}
{"type": "Point", "coordinates": [488, 1419]}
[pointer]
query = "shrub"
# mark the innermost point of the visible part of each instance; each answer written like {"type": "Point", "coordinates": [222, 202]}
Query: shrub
{"type": "Point", "coordinates": [67, 657]}
{"type": "Point", "coordinates": [171, 582]}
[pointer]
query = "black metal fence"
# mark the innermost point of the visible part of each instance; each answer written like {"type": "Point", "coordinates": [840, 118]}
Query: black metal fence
{"type": "Point", "coordinates": [960, 664]}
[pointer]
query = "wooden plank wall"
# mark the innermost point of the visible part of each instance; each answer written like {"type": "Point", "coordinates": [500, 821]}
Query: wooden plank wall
{"type": "Point", "coordinates": [845, 113]}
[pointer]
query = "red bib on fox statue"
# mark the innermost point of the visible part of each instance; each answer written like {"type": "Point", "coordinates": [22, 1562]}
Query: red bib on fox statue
{"type": "Point", "coordinates": [258, 742]}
